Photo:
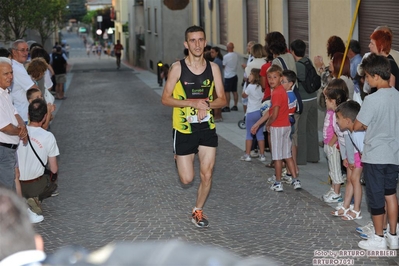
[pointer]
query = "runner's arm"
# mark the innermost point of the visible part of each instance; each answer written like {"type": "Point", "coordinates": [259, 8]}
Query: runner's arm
{"type": "Point", "coordinates": [219, 88]}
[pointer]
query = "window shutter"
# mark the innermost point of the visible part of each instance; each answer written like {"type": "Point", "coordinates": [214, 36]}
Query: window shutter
{"type": "Point", "coordinates": [378, 13]}
{"type": "Point", "coordinates": [252, 21]}
{"type": "Point", "coordinates": [223, 22]}
{"type": "Point", "coordinates": [298, 22]}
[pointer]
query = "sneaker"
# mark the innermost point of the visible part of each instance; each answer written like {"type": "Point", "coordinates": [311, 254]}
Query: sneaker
{"type": "Point", "coordinates": [199, 219]}
{"type": "Point", "coordinates": [34, 218]}
{"type": "Point", "coordinates": [277, 186]}
{"type": "Point", "coordinates": [272, 179]}
{"type": "Point", "coordinates": [333, 197]}
{"type": "Point", "coordinates": [254, 154]}
{"type": "Point", "coordinates": [375, 242]}
{"type": "Point", "coordinates": [234, 108]}
{"type": "Point", "coordinates": [367, 229]}
{"type": "Point", "coordinates": [327, 194]}
{"type": "Point", "coordinates": [55, 193]}
{"type": "Point", "coordinates": [296, 184]}
{"type": "Point", "coordinates": [286, 179]}
{"type": "Point", "coordinates": [262, 158]}
{"type": "Point", "coordinates": [226, 109]}
{"type": "Point", "coordinates": [246, 158]}
{"type": "Point", "coordinates": [392, 241]}
{"type": "Point", "coordinates": [34, 205]}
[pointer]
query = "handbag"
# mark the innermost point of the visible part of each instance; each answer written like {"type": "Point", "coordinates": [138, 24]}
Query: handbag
{"type": "Point", "coordinates": [53, 176]}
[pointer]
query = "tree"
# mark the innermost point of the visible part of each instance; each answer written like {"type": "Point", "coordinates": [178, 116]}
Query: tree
{"type": "Point", "coordinates": [15, 17]}
{"type": "Point", "coordinates": [77, 9]}
{"type": "Point", "coordinates": [47, 17]}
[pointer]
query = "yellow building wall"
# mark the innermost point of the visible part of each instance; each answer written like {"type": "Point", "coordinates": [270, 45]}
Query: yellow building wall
{"type": "Point", "coordinates": [336, 19]}
{"type": "Point", "coordinates": [276, 15]}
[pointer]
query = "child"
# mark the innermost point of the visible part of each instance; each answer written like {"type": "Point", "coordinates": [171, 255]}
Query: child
{"type": "Point", "coordinates": [379, 117]}
{"type": "Point", "coordinates": [346, 114]}
{"type": "Point", "coordinates": [253, 92]}
{"type": "Point", "coordinates": [279, 127]}
{"type": "Point", "coordinates": [288, 82]}
{"type": "Point", "coordinates": [335, 93]}
{"type": "Point", "coordinates": [35, 93]}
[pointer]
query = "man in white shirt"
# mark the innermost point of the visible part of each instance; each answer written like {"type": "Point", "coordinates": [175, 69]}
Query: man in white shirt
{"type": "Point", "coordinates": [22, 81]}
{"type": "Point", "coordinates": [230, 63]}
{"type": "Point", "coordinates": [12, 127]}
{"type": "Point", "coordinates": [35, 185]}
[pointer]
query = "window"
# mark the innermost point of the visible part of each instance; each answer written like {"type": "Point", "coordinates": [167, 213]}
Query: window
{"type": "Point", "coordinates": [148, 19]}
{"type": "Point", "coordinates": [201, 15]}
{"type": "Point", "coordinates": [298, 22]}
{"type": "Point", "coordinates": [252, 20]}
{"type": "Point", "coordinates": [223, 22]}
{"type": "Point", "coordinates": [155, 21]}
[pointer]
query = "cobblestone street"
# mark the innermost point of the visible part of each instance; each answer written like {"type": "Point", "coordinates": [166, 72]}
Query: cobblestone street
{"type": "Point", "coordinates": [118, 182]}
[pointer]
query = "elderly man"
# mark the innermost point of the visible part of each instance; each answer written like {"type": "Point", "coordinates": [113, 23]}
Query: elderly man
{"type": "Point", "coordinates": [230, 63]}
{"type": "Point", "coordinates": [12, 128]}
{"type": "Point", "coordinates": [22, 81]}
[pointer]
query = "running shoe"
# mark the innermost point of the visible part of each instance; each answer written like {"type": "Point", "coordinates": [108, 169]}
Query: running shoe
{"type": "Point", "coordinates": [296, 184]}
{"type": "Point", "coordinates": [199, 219]}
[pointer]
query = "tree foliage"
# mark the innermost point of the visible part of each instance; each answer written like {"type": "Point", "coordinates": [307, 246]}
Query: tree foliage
{"type": "Point", "coordinates": [47, 17]}
{"type": "Point", "coordinates": [16, 16]}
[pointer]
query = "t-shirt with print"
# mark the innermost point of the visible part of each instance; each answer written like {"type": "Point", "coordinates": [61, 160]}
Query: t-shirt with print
{"type": "Point", "coordinates": [192, 86]}
{"type": "Point", "coordinates": [379, 112]}
{"type": "Point", "coordinates": [280, 98]}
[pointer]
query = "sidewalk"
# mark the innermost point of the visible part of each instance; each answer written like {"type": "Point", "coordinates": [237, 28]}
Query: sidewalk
{"type": "Point", "coordinates": [313, 176]}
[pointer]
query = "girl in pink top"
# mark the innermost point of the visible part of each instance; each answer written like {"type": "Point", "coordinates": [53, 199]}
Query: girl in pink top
{"type": "Point", "coordinates": [335, 94]}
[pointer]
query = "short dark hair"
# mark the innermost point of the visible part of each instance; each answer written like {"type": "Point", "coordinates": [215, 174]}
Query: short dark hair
{"type": "Point", "coordinates": [30, 92]}
{"type": "Point", "coordinates": [298, 47]}
{"type": "Point", "coordinates": [337, 90]}
{"type": "Point", "coordinates": [217, 50]}
{"type": "Point", "coordinates": [276, 43]}
{"type": "Point", "coordinates": [4, 52]}
{"type": "Point", "coordinates": [377, 65]}
{"type": "Point", "coordinates": [354, 45]}
{"type": "Point", "coordinates": [290, 75]}
{"type": "Point", "coordinates": [348, 109]}
{"type": "Point", "coordinates": [37, 110]}
{"type": "Point", "coordinates": [16, 230]}
{"type": "Point", "coordinates": [194, 28]}
{"type": "Point", "coordinates": [40, 52]}
{"type": "Point", "coordinates": [335, 44]}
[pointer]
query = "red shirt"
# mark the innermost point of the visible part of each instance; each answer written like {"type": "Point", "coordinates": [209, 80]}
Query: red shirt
{"type": "Point", "coordinates": [280, 98]}
{"type": "Point", "coordinates": [263, 73]}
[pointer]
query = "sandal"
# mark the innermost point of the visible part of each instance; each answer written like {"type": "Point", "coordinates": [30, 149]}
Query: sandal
{"type": "Point", "coordinates": [348, 217]}
{"type": "Point", "coordinates": [337, 214]}
{"type": "Point", "coordinates": [270, 165]}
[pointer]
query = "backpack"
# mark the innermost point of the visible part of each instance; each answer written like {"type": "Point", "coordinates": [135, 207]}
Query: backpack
{"type": "Point", "coordinates": [312, 81]}
{"type": "Point", "coordinates": [299, 104]}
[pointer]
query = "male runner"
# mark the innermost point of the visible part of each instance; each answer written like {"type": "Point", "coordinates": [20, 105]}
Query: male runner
{"type": "Point", "coordinates": [118, 47]}
{"type": "Point", "coordinates": [191, 82]}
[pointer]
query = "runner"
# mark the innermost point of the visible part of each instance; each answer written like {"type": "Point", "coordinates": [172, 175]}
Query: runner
{"type": "Point", "coordinates": [118, 53]}
{"type": "Point", "coordinates": [191, 82]}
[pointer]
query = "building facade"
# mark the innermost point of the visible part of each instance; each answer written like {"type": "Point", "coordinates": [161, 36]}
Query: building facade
{"type": "Point", "coordinates": [157, 32]}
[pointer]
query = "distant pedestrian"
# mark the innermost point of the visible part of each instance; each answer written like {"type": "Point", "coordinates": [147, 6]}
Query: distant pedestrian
{"type": "Point", "coordinates": [189, 91]}
{"type": "Point", "coordinates": [118, 47]}
{"type": "Point", "coordinates": [230, 63]}
{"type": "Point", "coordinates": [59, 65]}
